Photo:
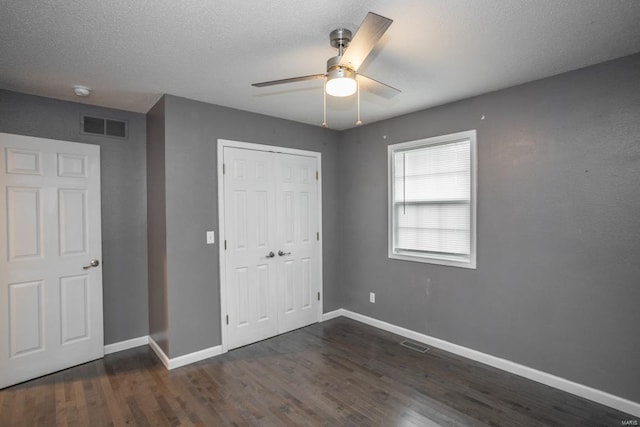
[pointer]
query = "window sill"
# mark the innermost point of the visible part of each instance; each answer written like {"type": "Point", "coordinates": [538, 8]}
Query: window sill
{"type": "Point", "coordinates": [450, 261]}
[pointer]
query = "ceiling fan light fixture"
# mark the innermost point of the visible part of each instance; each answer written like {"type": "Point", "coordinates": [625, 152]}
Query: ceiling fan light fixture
{"type": "Point", "coordinates": [341, 82]}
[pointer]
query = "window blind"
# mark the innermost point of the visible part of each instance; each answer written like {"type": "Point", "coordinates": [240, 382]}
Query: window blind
{"type": "Point", "coordinates": [432, 199]}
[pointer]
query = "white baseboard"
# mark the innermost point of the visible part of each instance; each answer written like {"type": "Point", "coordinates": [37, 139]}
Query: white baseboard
{"type": "Point", "coordinates": [158, 351]}
{"type": "Point", "coordinates": [196, 356]}
{"type": "Point", "coordinates": [125, 345]}
{"type": "Point", "coordinates": [586, 392]}
{"type": "Point", "coordinates": [333, 314]}
{"type": "Point", "coordinates": [186, 359]}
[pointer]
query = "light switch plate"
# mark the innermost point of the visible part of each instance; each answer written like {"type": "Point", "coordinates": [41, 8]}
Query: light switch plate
{"type": "Point", "coordinates": [210, 238]}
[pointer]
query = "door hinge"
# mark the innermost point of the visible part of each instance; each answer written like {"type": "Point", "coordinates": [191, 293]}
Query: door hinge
{"type": "Point", "coordinates": [318, 296]}
{"type": "Point", "coordinates": [227, 319]}
{"type": "Point", "coordinates": [317, 175]}
{"type": "Point", "coordinates": [224, 169]}
{"type": "Point", "coordinates": [318, 235]}
{"type": "Point", "coordinates": [225, 245]}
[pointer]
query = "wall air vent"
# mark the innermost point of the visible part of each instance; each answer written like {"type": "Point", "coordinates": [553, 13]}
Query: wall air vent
{"type": "Point", "coordinates": [90, 125]}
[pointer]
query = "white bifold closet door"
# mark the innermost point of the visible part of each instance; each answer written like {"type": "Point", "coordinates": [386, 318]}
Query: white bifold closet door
{"type": "Point", "coordinates": [50, 247]}
{"type": "Point", "coordinates": [272, 260]}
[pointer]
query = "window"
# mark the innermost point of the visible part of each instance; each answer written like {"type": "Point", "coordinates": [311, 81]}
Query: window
{"type": "Point", "coordinates": [432, 200]}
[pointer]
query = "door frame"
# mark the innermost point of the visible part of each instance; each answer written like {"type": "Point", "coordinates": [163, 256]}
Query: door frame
{"type": "Point", "coordinates": [222, 143]}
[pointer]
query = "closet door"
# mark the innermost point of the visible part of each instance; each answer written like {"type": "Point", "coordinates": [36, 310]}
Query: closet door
{"type": "Point", "coordinates": [297, 219]}
{"type": "Point", "coordinates": [250, 233]}
{"type": "Point", "coordinates": [271, 249]}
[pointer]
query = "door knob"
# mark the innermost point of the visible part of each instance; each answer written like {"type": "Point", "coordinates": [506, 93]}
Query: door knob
{"type": "Point", "coordinates": [93, 263]}
{"type": "Point", "coordinates": [281, 253]}
{"type": "Point", "coordinates": [271, 254]}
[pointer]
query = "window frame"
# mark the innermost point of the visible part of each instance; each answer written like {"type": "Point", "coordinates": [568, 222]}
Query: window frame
{"type": "Point", "coordinates": [432, 258]}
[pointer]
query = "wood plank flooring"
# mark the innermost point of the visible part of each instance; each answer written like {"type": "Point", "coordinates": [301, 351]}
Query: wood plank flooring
{"type": "Point", "coordinates": [336, 373]}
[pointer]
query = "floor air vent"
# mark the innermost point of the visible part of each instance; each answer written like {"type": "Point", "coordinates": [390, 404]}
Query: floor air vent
{"type": "Point", "coordinates": [415, 346]}
{"type": "Point", "coordinates": [101, 126]}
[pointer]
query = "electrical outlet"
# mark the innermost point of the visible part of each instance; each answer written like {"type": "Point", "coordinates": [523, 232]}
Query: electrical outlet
{"type": "Point", "coordinates": [372, 297]}
{"type": "Point", "coordinates": [210, 238]}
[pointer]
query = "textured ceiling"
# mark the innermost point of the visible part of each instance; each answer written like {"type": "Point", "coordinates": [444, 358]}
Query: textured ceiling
{"type": "Point", "coordinates": [130, 52]}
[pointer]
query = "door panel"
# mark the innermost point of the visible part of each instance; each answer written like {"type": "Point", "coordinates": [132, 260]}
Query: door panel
{"type": "Point", "coordinates": [241, 224]}
{"type": "Point", "coordinates": [74, 301]}
{"type": "Point", "coordinates": [20, 161]}
{"type": "Point", "coordinates": [72, 218]}
{"type": "Point", "coordinates": [50, 307]}
{"type": "Point", "coordinates": [242, 300]}
{"type": "Point", "coordinates": [270, 206]}
{"type": "Point", "coordinates": [25, 223]}
{"type": "Point", "coordinates": [289, 280]}
{"type": "Point", "coordinates": [26, 315]}
{"type": "Point", "coordinates": [72, 165]}
{"type": "Point", "coordinates": [264, 297]}
{"type": "Point", "coordinates": [305, 282]}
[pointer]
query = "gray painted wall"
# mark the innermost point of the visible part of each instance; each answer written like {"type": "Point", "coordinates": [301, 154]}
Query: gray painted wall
{"type": "Point", "coordinates": [157, 227]}
{"type": "Point", "coordinates": [192, 271]}
{"type": "Point", "coordinates": [558, 279]}
{"type": "Point", "coordinates": [124, 231]}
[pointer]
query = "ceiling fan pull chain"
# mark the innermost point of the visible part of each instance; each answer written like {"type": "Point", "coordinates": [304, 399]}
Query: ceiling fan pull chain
{"type": "Point", "coordinates": [358, 122]}
{"type": "Point", "coordinates": [324, 104]}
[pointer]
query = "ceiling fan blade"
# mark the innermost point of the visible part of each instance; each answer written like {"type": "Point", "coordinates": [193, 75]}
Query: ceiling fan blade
{"type": "Point", "coordinates": [371, 30]}
{"type": "Point", "coordinates": [291, 80]}
{"type": "Point", "coordinates": [376, 87]}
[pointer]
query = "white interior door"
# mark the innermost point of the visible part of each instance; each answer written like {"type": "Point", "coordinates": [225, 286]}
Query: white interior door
{"type": "Point", "coordinates": [50, 305]}
{"type": "Point", "coordinates": [271, 257]}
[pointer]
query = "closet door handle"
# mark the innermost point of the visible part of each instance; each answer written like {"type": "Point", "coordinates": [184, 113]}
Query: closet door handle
{"type": "Point", "coordinates": [281, 253]}
{"type": "Point", "coordinates": [271, 254]}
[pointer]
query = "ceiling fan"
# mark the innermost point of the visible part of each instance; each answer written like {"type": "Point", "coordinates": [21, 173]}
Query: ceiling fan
{"type": "Point", "coordinates": [342, 77]}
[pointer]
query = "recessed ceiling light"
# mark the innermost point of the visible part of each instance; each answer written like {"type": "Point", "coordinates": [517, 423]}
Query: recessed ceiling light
{"type": "Point", "coordinates": [81, 90]}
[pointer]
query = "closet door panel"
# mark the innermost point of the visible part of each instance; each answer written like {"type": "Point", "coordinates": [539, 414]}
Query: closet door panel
{"type": "Point", "coordinates": [250, 235]}
{"type": "Point", "coordinates": [297, 213]}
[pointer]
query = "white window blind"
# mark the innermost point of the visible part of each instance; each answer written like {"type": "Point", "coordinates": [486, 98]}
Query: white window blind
{"type": "Point", "coordinates": [431, 212]}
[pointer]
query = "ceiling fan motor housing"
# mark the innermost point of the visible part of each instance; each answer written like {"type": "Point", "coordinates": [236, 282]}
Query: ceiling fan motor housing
{"type": "Point", "coordinates": [340, 38]}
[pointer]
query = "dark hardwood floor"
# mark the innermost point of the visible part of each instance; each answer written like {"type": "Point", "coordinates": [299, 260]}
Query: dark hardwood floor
{"type": "Point", "coordinates": [336, 373]}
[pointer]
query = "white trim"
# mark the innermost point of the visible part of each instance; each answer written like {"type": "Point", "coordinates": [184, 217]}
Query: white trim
{"type": "Point", "coordinates": [126, 344]}
{"type": "Point", "coordinates": [222, 143]}
{"type": "Point", "coordinates": [186, 359]}
{"type": "Point", "coordinates": [221, 249]}
{"type": "Point", "coordinates": [194, 357]}
{"type": "Point", "coordinates": [263, 147]}
{"type": "Point", "coordinates": [584, 391]}
{"type": "Point", "coordinates": [318, 157]}
{"type": "Point", "coordinates": [333, 314]}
